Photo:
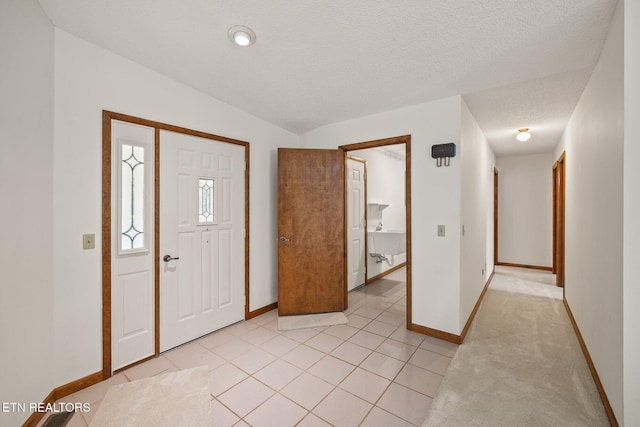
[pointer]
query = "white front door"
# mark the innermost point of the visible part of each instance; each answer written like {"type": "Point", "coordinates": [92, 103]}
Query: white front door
{"type": "Point", "coordinates": [202, 250]}
{"type": "Point", "coordinates": [356, 222]}
{"type": "Point", "coordinates": [132, 275]}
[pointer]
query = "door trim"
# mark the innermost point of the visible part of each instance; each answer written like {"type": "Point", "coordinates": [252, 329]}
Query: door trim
{"type": "Point", "coordinates": [107, 118]}
{"type": "Point", "coordinates": [406, 140]}
{"type": "Point", "coordinates": [495, 215]}
{"type": "Point", "coordinates": [559, 210]}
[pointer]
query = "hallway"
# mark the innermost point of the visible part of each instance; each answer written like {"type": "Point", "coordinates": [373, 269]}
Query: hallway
{"type": "Point", "coordinates": [521, 363]}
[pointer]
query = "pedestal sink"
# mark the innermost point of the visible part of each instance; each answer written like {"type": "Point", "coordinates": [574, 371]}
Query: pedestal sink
{"type": "Point", "coordinates": [387, 242]}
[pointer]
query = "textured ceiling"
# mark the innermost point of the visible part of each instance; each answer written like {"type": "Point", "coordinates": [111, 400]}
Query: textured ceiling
{"type": "Point", "coordinates": [320, 62]}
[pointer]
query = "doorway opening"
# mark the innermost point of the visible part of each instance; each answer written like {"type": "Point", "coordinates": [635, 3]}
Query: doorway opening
{"type": "Point", "coordinates": [145, 287]}
{"type": "Point", "coordinates": [388, 143]}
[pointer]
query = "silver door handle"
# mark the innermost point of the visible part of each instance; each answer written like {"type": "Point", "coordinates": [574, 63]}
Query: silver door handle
{"type": "Point", "coordinates": [168, 258]}
{"type": "Point", "coordinates": [283, 239]}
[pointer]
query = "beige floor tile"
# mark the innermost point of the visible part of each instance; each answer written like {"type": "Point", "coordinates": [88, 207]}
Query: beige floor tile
{"type": "Point", "coordinates": [367, 339]}
{"type": "Point", "coordinates": [324, 342]}
{"type": "Point", "coordinates": [435, 345]}
{"type": "Point", "coordinates": [351, 353]}
{"type": "Point", "coordinates": [418, 379]}
{"type": "Point", "coordinates": [279, 345]}
{"type": "Point", "coordinates": [392, 318]}
{"type": "Point", "coordinates": [331, 370]}
{"type": "Point", "coordinates": [150, 368]}
{"type": "Point", "coordinates": [431, 361]}
{"type": "Point", "coordinates": [358, 321]}
{"type": "Point", "coordinates": [368, 312]}
{"type": "Point", "coordinates": [303, 356]}
{"type": "Point", "coordinates": [241, 328]}
{"type": "Point", "coordinates": [278, 374]}
{"type": "Point", "coordinates": [344, 332]}
{"type": "Point", "coordinates": [405, 403]}
{"type": "Point", "coordinates": [380, 328]}
{"type": "Point", "coordinates": [215, 339]}
{"type": "Point", "coordinates": [312, 420]}
{"type": "Point", "coordinates": [253, 360]}
{"type": "Point", "coordinates": [259, 336]}
{"type": "Point", "coordinates": [221, 415]}
{"type": "Point", "coordinates": [341, 408]}
{"type": "Point", "coordinates": [307, 390]}
{"type": "Point", "coordinates": [194, 356]}
{"type": "Point", "coordinates": [245, 396]}
{"type": "Point", "coordinates": [223, 378]}
{"type": "Point", "coordinates": [408, 337]}
{"type": "Point", "coordinates": [379, 418]}
{"type": "Point", "coordinates": [365, 385]}
{"type": "Point", "coordinates": [301, 335]}
{"type": "Point", "coordinates": [396, 349]}
{"type": "Point", "coordinates": [382, 365]}
{"type": "Point", "coordinates": [278, 411]}
{"type": "Point", "coordinates": [232, 349]}
{"type": "Point", "coordinates": [277, 360]}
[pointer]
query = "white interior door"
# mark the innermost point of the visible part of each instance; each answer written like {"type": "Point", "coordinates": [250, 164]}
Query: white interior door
{"type": "Point", "coordinates": [132, 275]}
{"type": "Point", "coordinates": [202, 233]}
{"type": "Point", "coordinates": [356, 222]}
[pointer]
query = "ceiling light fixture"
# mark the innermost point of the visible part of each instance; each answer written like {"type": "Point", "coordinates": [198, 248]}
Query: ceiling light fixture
{"type": "Point", "coordinates": [523, 135]}
{"type": "Point", "coordinates": [241, 35]}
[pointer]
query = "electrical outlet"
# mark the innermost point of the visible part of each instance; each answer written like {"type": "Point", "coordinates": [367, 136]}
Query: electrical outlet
{"type": "Point", "coordinates": [88, 241]}
{"type": "Point", "coordinates": [441, 231]}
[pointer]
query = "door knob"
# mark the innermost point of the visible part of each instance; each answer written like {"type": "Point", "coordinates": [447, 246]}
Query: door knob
{"type": "Point", "coordinates": [283, 239]}
{"type": "Point", "coordinates": [168, 258]}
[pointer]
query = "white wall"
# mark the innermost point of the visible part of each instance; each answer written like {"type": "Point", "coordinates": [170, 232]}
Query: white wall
{"type": "Point", "coordinates": [385, 184]}
{"type": "Point", "coordinates": [26, 228]}
{"type": "Point", "coordinates": [631, 251]}
{"type": "Point", "coordinates": [594, 142]}
{"type": "Point", "coordinates": [476, 212]}
{"type": "Point", "coordinates": [89, 79]}
{"type": "Point", "coordinates": [525, 209]}
{"type": "Point", "coordinates": [435, 198]}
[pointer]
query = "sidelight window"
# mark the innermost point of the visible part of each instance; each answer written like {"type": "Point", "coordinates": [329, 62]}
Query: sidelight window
{"type": "Point", "coordinates": [132, 177]}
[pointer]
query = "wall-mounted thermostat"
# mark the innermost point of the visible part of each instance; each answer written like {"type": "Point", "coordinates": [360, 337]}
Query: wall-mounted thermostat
{"type": "Point", "coordinates": [443, 151]}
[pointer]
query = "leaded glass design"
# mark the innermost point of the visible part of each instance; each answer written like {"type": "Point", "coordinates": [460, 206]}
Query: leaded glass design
{"type": "Point", "coordinates": [205, 206]}
{"type": "Point", "coordinates": [132, 198]}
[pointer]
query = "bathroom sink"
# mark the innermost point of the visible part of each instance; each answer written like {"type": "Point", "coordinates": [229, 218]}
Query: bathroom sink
{"type": "Point", "coordinates": [387, 242]}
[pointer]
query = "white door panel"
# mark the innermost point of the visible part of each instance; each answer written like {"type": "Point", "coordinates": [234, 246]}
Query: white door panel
{"type": "Point", "coordinates": [356, 222]}
{"type": "Point", "coordinates": [132, 283]}
{"type": "Point", "coordinates": [203, 290]}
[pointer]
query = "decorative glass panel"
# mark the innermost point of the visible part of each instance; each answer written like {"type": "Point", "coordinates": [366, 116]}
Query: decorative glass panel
{"type": "Point", "coordinates": [132, 220]}
{"type": "Point", "coordinates": [205, 206]}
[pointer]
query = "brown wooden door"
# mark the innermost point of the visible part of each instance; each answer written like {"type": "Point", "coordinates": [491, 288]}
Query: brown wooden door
{"type": "Point", "coordinates": [311, 231]}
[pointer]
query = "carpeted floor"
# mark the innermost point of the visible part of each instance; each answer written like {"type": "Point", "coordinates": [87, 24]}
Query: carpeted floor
{"type": "Point", "coordinates": [520, 365]}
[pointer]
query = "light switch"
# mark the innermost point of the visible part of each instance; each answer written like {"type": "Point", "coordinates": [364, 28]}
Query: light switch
{"type": "Point", "coordinates": [88, 241]}
{"type": "Point", "coordinates": [441, 231]}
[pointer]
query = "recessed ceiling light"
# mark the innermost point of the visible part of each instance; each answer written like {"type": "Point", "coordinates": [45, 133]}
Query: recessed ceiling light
{"type": "Point", "coordinates": [241, 35]}
{"type": "Point", "coordinates": [523, 135]}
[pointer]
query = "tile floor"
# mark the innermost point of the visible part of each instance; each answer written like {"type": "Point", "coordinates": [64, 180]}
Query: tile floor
{"type": "Point", "coordinates": [371, 372]}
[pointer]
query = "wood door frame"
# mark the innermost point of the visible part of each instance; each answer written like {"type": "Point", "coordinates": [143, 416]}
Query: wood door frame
{"type": "Point", "coordinates": [406, 140]}
{"type": "Point", "coordinates": [559, 171]}
{"type": "Point", "coordinates": [495, 215]}
{"type": "Point", "coordinates": [107, 118]}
